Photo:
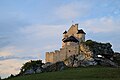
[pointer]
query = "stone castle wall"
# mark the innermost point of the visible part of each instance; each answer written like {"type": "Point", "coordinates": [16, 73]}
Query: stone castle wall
{"type": "Point", "coordinates": [68, 48]}
{"type": "Point", "coordinates": [62, 54]}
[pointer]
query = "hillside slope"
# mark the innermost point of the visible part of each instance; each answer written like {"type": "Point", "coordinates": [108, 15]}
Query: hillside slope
{"type": "Point", "coordinates": [89, 73]}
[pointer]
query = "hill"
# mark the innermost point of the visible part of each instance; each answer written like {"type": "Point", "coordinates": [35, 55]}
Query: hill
{"type": "Point", "coordinates": [95, 61]}
{"type": "Point", "coordinates": [89, 73]}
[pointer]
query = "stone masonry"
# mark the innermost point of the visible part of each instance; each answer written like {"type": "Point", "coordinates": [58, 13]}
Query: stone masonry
{"type": "Point", "coordinates": [70, 45]}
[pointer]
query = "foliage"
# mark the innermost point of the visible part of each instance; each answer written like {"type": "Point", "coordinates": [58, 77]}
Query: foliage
{"type": "Point", "coordinates": [116, 58]}
{"type": "Point", "coordinates": [97, 48]}
{"type": "Point", "coordinates": [89, 73]}
{"type": "Point", "coordinates": [89, 43]}
{"type": "Point", "coordinates": [31, 64]}
{"type": "Point", "coordinates": [93, 43]}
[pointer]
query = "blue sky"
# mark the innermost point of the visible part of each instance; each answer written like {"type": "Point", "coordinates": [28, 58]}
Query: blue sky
{"type": "Point", "coordinates": [29, 28]}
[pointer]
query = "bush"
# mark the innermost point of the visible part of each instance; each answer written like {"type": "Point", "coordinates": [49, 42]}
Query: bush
{"type": "Point", "coordinates": [31, 64]}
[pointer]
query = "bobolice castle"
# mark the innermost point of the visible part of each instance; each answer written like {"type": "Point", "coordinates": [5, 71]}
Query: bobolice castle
{"type": "Point", "coordinates": [70, 45]}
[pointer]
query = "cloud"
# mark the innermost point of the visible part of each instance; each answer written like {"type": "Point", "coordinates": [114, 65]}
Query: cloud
{"type": "Point", "coordinates": [8, 67]}
{"type": "Point", "coordinates": [16, 57]}
{"type": "Point", "coordinates": [41, 36]}
{"type": "Point", "coordinates": [5, 53]}
{"type": "Point", "coordinates": [72, 10]}
{"type": "Point", "coordinates": [11, 52]}
{"type": "Point", "coordinates": [42, 30]}
{"type": "Point", "coordinates": [38, 39]}
{"type": "Point", "coordinates": [11, 61]}
{"type": "Point", "coordinates": [103, 24]}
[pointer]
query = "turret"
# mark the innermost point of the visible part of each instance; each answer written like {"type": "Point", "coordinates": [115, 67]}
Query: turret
{"type": "Point", "coordinates": [76, 25]}
{"type": "Point", "coordinates": [64, 37]}
{"type": "Point", "coordinates": [64, 34]}
{"type": "Point", "coordinates": [73, 31]}
{"type": "Point", "coordinates": [81, 35]}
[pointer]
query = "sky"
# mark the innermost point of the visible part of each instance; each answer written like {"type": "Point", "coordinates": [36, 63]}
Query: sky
{"type": "Point", "coordinates": [29, 28]}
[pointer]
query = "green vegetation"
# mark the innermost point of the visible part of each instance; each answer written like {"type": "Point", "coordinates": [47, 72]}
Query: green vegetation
{"type": "Point", "coordinates": [94, 44]}
{"type": "Point", "coordinates": [116, 58]}
{"type": "Point", "coordinates": [89, 73]}
{"type": "Point", "coordinates": [31, 64]}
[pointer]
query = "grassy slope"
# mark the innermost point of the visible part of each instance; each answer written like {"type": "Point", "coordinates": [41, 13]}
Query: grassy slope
{"type": "Point", "coordinates": [97, 73]}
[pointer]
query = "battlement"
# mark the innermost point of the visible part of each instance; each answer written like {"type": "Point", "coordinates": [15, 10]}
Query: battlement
{"type": "Point", "coordinates": [70, 45]}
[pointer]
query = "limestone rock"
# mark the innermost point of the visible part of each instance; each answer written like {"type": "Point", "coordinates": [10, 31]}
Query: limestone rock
{"type": "Point", "coordinates": [106, 62]}
{"type": "Point", "coordinates": [93, 53]}
{"type": "Point", "coordinates": [46, 65]}
{"type": "Point", "coordinates": [29, 71]}
{"type": "Point", "coordinates": [79, 60]}
{"type": "Point", "coordinates": [86, 63]}
{"type": "Point", "coordinates": [80, 57]}
{"type": "Point", "coordinates": [103, 49]}
{"type": "Point", "coordinates": [55, 67]}
{"type": "Point", "coordinates": [116, 58]}
{"type": "Point", "coordinates": [70, 61]}
{"type": "Point", "coordinates": [39, 70]}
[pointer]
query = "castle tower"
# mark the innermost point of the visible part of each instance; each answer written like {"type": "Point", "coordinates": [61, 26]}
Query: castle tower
{"type": "Point", "coordinates": [73, 31]}
{"type": "Point", "coordinates": [70, 45]}
{"type": "Point", "coordinates": [81, 35]}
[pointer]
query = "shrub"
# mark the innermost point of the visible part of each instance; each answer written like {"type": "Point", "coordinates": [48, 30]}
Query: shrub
{"type": "Point", "coordinates": [31, 64]}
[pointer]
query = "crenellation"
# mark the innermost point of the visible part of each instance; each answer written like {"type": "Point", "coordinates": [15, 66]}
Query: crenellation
{"type": "Point", "coordinates": [70, 45]}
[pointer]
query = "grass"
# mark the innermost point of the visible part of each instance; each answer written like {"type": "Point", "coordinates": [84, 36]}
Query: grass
{"type": "Point", "coordinates": [90, 73]}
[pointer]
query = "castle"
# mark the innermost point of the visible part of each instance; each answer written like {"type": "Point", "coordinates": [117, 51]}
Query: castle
{"type": "Point", "coordinates": [70, 45]}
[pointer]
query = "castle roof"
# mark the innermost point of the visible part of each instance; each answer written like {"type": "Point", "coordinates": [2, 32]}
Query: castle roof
{"type": "Point", "coordinates": [81, 31]}
{"type": "Point", "coordinates": [65, 32]}
{"type": "Point", "coordinates": [70, 39]}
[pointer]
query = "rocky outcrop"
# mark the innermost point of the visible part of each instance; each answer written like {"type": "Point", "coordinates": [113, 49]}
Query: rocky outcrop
{"type": "Point", "coordinates": [54, 67]}
{"type": "Point", "coordinates": [116, 58]}
{"type": "Point", "coordinates": [33, 67]}
{"type": "Point", "coordinates": [103, 49]}
{"type": "Point", "coordinates": [92, 53]}
{"type": "Point", "coordinates": [79, 60]}
{"type": "Point", "coordinates": [106, 62]}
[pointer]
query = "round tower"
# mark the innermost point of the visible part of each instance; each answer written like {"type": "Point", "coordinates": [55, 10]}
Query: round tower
{"type": "Point", "coordinates": [81, 35]}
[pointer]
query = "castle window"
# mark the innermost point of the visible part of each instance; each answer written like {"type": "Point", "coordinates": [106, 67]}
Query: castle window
{"type": "Point", "coordinates": [69, 50]}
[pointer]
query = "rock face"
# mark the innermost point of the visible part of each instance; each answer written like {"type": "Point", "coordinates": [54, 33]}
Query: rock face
{"type": "Point", "coordinates": [55, 67]}
{"type": "Point", "coordinates": [77, 61]}
{"type": "Point", "coordinates": [32, 67]}
{"type": "Point", "coordinates": [106, 62]}
{"type": "Point", "coordinates": [103, 49]}
{"type": "Point", "coordinates": [29, 68]}
{"type": "Point", "coordinates": [92, 53]}
{"type": "Point", "coordinates": [116, 58]}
